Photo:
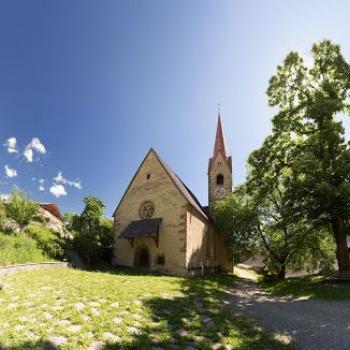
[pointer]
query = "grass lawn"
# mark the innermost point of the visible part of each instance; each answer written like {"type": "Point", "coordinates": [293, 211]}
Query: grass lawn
{"type": "Point", "coordinates": [315, 287]}
{"type": "Point", "coordinates": [17, 249]}
{"type": "Point", "coordinates": [124, 310]}
{"type": "Point", "coordinates": [245, 273]}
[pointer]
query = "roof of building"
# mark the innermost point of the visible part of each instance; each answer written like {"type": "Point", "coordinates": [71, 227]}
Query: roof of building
{"type": "Point", "coordinates": [141, 228]}
{"type": "Point", "coordinates": [52, 208]}
{"type": "Point", "coordinates": [184, 190]}
{"type": "Point", "coordinates": [220, 146]}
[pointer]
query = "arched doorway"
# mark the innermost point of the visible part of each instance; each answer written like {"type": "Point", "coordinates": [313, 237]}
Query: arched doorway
{"type": "Point", "coordinates": [142, 258]}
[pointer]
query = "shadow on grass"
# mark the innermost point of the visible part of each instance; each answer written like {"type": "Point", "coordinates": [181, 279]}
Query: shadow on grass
{"type": "Point", "coordinates": [199, 318]}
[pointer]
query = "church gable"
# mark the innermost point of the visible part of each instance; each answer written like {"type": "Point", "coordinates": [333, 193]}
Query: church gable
{"type": "Point", "coordinates": [150, 181]}
{"type": "Point", "coordinates": [145, 179]}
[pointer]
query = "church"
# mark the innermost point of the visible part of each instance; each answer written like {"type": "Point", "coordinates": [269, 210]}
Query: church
{"type": "Point", "coordinates": [160, 225]}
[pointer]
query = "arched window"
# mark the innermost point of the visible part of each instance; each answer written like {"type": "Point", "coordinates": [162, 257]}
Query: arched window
{"type": "Point", "coordinates": [220, 179]}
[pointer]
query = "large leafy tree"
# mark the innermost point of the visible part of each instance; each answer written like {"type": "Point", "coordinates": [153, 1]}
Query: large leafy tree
{"type": "Point", "coordinates": [309, 99]}
{"type": "Point", "coordinates": [263, 216]}
{"type": "Point", "coordinates": [286, 236]}
{"type": "Point", "coordinates": [93, 234]}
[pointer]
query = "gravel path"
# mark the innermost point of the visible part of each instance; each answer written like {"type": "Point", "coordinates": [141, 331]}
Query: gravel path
{"type": "Point", "coordinates": [312, 324]}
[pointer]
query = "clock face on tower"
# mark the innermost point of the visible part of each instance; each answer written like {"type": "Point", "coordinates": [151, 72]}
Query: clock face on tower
{"type": "Point", "coordinates": [220, 193]}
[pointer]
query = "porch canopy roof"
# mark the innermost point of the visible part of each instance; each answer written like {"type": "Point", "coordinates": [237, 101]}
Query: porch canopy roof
{"type": "Point", "coordinates": [142, 228]}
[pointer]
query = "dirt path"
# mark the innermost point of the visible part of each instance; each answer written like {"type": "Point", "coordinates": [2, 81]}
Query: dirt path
{"type": "Point", "coordinates": [312, 324]}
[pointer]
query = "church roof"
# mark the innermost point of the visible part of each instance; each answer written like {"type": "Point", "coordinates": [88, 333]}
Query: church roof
{"type": "Point", "coordinates": [220, 146]}
{"type": "Point", "coordinates": [141, 228]}
{"type": "Point", "coordinates": [184, 190]}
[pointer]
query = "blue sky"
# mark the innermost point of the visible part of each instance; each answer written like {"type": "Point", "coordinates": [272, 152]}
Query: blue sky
{"type": "Point", "coordinates": [97, 83]}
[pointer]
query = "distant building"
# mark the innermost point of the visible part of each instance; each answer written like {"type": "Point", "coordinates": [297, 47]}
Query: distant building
{"type": "Point", "coordinates": [160, 225]}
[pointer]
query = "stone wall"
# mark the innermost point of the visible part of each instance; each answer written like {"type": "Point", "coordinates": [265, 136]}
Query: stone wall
{"type": "Point", "coordinates": [219, 166]}
{"type": "Point", "coordinates": [14, 268]}
{"type": "Point", "coordinates": [152, 183]}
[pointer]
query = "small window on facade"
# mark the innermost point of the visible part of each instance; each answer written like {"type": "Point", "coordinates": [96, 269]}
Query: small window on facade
{"type": "Point", "coordinates": [219, 163]}
{"type": "Point", "coordinates": [148, 176]}
{"type": "Point", "coordinates": [220, 179]}
{"type": "Point", "coordinates": [160, 259]}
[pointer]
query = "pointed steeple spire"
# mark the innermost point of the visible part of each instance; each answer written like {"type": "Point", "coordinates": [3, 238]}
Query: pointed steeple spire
{"type": "Point", "coordinates": [220, 145]}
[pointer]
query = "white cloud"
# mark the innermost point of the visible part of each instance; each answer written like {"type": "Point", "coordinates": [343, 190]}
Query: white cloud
{"type": "Point", "coordinates": [41, 185]}
{"type": "Point", "coordinates": [37, 146]}
{"type": "Point", "coordinates": [58, 190]}
{"type": "Point", "coordinates": [11, 145]}
{"type": "Point", "coordinates": [10, 172]}
{"type": "Point", "coordinates": [61, 179]}
{"type": "Point", "coordinates": [34, 145]}
{"type": "Point", "coordinates": [28, 154]}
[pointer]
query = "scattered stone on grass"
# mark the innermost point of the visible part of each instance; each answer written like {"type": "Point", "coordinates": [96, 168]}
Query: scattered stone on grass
{"type": "Point", "coordinates": [111, 337]}
{"type": "Point", "coordinates": [63, 322]}
{"type": "Point", "coordinates": [47, 315]}
{"type": "Point", "coordinates": [79, 306]}
{"type": "Point", "coordinates": [134, 330]}
{"type": "Point", "coordinates": [94, 304]}
{"type": "Point", "coordinates": [74, 328]}
{"type": "Point", "coordinates": [182, 332]}
{"type": "Point", "coordinates": [54, 342]}
{"type": "Point", "coordinates": [95, 312]}
{"type": "Point", "coordinates": [117, 320]}
{"type": "Point", "coordinates": [97, 345]}
{"type": "Point", "coordinates": [137, 302]}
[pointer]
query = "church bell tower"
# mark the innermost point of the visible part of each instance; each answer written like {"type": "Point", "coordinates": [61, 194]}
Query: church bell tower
{"type": "Point", "coordinates": [219, 169]}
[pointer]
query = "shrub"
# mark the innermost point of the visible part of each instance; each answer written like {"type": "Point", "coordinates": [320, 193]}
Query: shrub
{"type": "Point", "coordinates": [46, 240]}
{"type": "Point", "coordinates": [20, 208]}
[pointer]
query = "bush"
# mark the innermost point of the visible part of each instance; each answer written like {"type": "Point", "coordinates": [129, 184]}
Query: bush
{"type": "Point", "coordinates": [46, 240]}
{"type": "Point", "coordinates": [20, 208]}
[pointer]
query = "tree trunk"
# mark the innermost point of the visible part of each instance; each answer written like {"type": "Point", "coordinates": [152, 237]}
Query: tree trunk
{"type": "Point", "coordinates": [282, 272]}
{"type": "Point", "coordinates": [341, 243]}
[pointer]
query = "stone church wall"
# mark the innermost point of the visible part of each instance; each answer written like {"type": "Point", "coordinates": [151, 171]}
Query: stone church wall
{"type": "Point", "coordinates": [202, 245]}
{"type": "Point", "coordinates": [152, 183]}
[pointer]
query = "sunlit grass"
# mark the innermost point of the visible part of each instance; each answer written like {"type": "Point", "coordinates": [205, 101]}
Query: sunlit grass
{"type": "Point", "coordinates": [311, 287]}
{"type": "Point", "coordinates": [123, 309]}
{"type": "Point", "coordinates": [245, 273]}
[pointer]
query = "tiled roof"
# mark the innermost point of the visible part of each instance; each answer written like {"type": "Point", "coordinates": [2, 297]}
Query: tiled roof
{"type": "Point", "coordinates": [52, 208]}
{"type": "Point", "coordinates": [141, 228]}
{"type": "Point", "coordinates": [220, 147]}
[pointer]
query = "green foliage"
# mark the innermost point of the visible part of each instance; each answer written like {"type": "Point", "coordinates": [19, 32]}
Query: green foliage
{"type": "Point", "coordinates": [93, 233]}
{"type": "Point", "coordinates": [46, 240]}
{"type": "Point", "coordinates": [309, 98]}
{"type": "Point", "coordinates": [20, 208]}
{"type": "Point", "coordinates": [2, 212]}
{"type": "Point", "coordinates": [17, 249]}
{"type": "Point", "coordinates": [236, 219]}
{"type": "Point", "coordinates": [72, 221]}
